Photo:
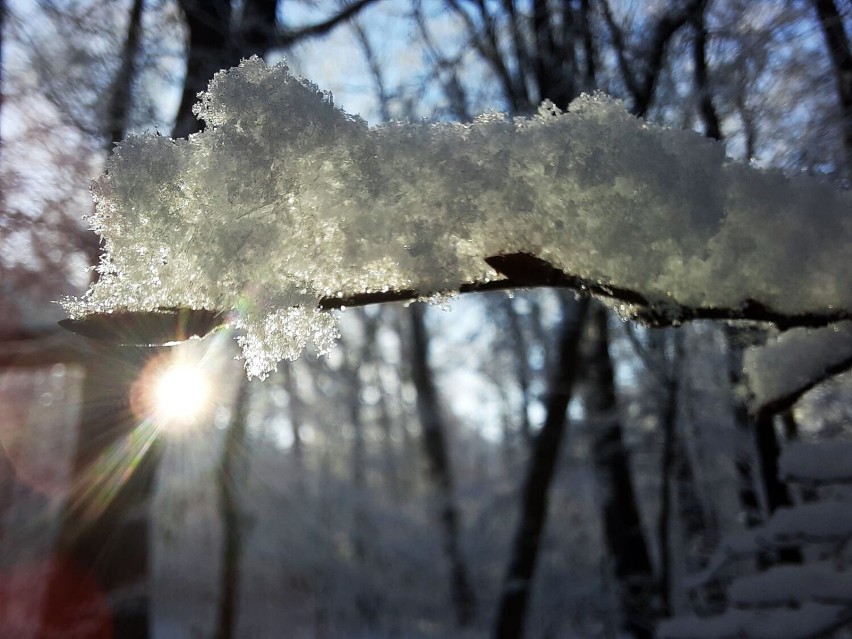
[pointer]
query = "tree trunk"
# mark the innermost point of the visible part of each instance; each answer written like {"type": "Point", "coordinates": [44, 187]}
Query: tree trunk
{"type": "Point", "coordinates": [296, 412]}
{"type": "Point", "coordinates": [768, 451]}
{"type": "Point", "coordinates": [699, 529]}
{"type": "Point", "coordinates": [765, 440]}
{"type": "Point", "coordinates": [712, 127]}
{"type": "Point", "coordinates": [209, 25]}
{"type": "Point", "coordinates": [410, 448]}
{"type": "Point", "coordinates": [232, 473]}
{"type": "Point", "coordinates": [110, 538]}
{"type": "Point", "coordinates": [104, 527]}
{"type": "Point", "coordinates": [7, 473]}
{"type": "Point", "coordinates": [2, 48]}
{"type": "Point", "coordinates": [668, 424]}
{"type": "Point", "coordinates": [623, 533]}
{"type": "Point", "coordinates": [752, 512]}
{"type": "Point", "coordinates": [841, 59]}
{"type": "Point", "coordinates": [776, 492]}
{"type": "Point", "coordinates": [366, 600]}
{"type": "Point", "coordinates": [438, 459]}
{"type": "Point", "coordinates": [390, 467]}
{"type": "Point", "coordinates": [762, 450]}
{"type": "Point", "coordinates": [590, 52]}
{"type": "Point", "coordinates": [515, 594]}
{"type": "Point", "coordinates": [118, 109]}
{"type": "Point", "coordinates": [807, 493]}
{"type": "Point", "coordinates": [522, 369]}
{"type": "Point", "coordinates": [256, 33]}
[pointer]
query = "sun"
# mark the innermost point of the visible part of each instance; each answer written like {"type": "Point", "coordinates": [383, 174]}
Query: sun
{"type": "Point", "coordinates": [181, 394]}
{"type": "Point", "coordinates": [174, 392]}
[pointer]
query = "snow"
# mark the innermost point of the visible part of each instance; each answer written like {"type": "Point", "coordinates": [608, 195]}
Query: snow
{"type": "Point", "coordinates": [828, 521]}
{"type": "Point", "coordinates": [285, 200]}
{"type": "Point", "coordinates": [795, 623]}
{"type": "Point", "coordinates": [789, 585]}
{"type": "Point", "coordinates": [795, 361]}
{"type": "Point", "coordinates": [817, 462]}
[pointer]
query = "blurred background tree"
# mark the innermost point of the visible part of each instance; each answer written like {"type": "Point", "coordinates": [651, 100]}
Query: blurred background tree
{"type": "Point", "coordinates": [519, 466]}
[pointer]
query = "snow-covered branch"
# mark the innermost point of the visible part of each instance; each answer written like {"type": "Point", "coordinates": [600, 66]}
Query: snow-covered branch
{"type": "Point", "coordinates": [286, 207]}
{"type": "Point", "coordinates": [823, 522]}
{"type": "Point", "coordinates": [782, 370]}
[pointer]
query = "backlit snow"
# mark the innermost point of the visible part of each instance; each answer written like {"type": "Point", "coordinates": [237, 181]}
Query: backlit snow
{"type": "Point", "coordinates": [285, 199]}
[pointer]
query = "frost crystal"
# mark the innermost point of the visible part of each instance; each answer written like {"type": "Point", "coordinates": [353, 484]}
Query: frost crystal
{"type": "Point", "coordinates": [285, 200]}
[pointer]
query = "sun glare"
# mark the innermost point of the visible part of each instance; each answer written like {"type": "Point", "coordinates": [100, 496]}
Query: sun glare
{"type": "Point", "coordinates": [181, 394]}
{"type": "Point", "coordinates": [177, 389]}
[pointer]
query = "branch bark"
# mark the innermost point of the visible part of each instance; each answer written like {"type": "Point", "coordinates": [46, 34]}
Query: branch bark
{"type": "Point", "coordinates": [778, 405]}
{"type": "Point", "coordinates": [288, 37]}
{"type": "Point", "coordinates": [521, 270]}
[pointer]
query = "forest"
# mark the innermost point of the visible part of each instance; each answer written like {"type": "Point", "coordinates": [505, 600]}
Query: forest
{"type": "Point", "coordinates": [528, 319]}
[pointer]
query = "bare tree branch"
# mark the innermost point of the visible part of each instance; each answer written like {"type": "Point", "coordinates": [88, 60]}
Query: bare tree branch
{"type": "Point", "coordinates": [375, 70]}
{"type": "Point", "coordinates": [453, 88]}
{"type": "Point", "coordinates": [641, 85]}
{"type": "Point", "coordinates": [287, 37]}
{"type": "Point", "coordinates": [521, 270]}
{"type": "Point", "coordinates": [784, 402]}
{"type": "Point", "coordinates": [486, 43]}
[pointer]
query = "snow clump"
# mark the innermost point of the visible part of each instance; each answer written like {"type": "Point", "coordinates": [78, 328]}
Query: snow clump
{"type": "Point", "coordinates": [285, 200]}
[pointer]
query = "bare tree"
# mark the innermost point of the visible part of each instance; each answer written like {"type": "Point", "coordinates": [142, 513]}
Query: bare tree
{"type": "Point", "coordinates": [119, 533]}
{"type": "Point", "coordinates": [437, 453]}
{"type": "Point", "coordinates": [233, 471]}
{"type": "Point", "coordinates": [641, 77]}
{"type": "Point", "coordinates": [837, 42]}
{"type": "Point", "coordinates": [523, 557]}
{"type": "Point", "coordinates": [213, 44]}
{"type": "Point", "coordinates": [766, 444]}
{"type": "Point", "coordinates": [622, 522]}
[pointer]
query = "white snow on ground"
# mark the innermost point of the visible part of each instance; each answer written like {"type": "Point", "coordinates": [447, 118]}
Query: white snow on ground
{"type": "Point", "coordinates": [817, 462]}
{"type": "Point", "coordinates": [828, 521]}
{"type": "Point", "coordinates": [822, 521]}
{"type": "Point", "coordinates": [791, 584]}
{"type": "Point", "coordinates": [285, 199]}
{"type": "Point", "coordinates": [794, 623]}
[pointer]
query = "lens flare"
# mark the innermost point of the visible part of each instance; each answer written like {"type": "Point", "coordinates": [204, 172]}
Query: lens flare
{"type": "Point", "coordinates": [174, 392]}
{"type": "Point", "coordinates": [181, 394]}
